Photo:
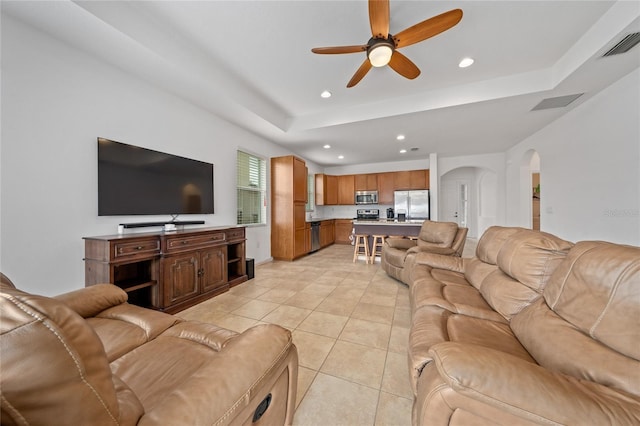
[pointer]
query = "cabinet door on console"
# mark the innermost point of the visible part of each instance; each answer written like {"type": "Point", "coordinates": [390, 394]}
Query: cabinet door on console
{"type": "Point", "coordinates": [214, 268]}
{"type": "Point", "coordinates": [180, 278]}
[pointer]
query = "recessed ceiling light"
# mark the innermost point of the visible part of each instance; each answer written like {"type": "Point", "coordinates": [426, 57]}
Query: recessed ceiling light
{"type": "Point", "coordinates": [402, 151]}
{"type": "Point", "coordinates": [340, 157]}
{"type": "Point", "coordinates": [465, 62]}
{"type": "Point", "coordinates": [325, 94]}
{"type": "Point", "coordinates": [400, 137]}
{"type": "Point", "coordinates": [327, 146]}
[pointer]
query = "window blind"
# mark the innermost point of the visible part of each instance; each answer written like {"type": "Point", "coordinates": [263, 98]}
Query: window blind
{"type": "Point", "coordinates": [252, 189]}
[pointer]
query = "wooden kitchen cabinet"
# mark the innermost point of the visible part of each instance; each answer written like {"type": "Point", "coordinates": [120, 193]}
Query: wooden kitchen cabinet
{"type": "Point", "coordinates": [386, 186]}
{"type": "Point", "coordinates": [419, 179]}
{"type": "Point", "coordinates": [326, 189]}
{"type": "Point", "coordinates": [411, 179]}
{"type": "Point", "coordinates": [299, 180]}
{"type": "Point", "coordinates": [332, 190]}
{"type": "Point", "coordinates": [327, 233]}
{"type": "Point", "coordinates": [168, 271]}
{"type": "Point", "coordinates": [343, 229]}
{"type": "Point", "coordinates": [366, 182]}
{"type": "Point", "coordinates": [346, 190]}
{"type": "Point", "coordinates": [289, 194]}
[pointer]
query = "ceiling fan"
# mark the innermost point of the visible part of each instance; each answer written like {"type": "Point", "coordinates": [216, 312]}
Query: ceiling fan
{"type": "Point", "coordinates": [382, 46]}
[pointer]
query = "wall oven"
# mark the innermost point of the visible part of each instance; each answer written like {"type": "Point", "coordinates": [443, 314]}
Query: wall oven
{"type": "Point", "coordinates": [366, 197]}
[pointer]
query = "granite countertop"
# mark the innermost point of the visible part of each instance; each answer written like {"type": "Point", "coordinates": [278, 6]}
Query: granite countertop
{"type": "Point", "coordinates": [320, 219]}
{"type": "Point", "coordinates": [389, 222]}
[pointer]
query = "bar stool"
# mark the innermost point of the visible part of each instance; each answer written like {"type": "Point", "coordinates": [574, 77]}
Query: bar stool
{"type": "Point", "coordinates": [378, 242]}
{"type": "Point", "coordinates": [361, 242]}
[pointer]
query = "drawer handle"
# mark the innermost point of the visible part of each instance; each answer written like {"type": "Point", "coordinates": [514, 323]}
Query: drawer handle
{"type": "Point", "coordinates": [139, 248]}
{"type": "Point", "coordinates": [185, 242]}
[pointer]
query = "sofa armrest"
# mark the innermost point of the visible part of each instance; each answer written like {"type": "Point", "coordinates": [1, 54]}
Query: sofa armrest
{"type": "Point", "coordinates": [400, 243]}
{"type": "Point", "coordinates": [90, 301]}
{"type": "Point", "coordinates": [446, 251]}
{"type": "Point", "coordinates": [528, 390]}
{"type": "Point", "coordinates": [439, 261]}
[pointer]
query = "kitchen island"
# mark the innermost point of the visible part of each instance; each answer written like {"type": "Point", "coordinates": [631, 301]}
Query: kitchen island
{"type": "Point", "coordinates": [387, 227]}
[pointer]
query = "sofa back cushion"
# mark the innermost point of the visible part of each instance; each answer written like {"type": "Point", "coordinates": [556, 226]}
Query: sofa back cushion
{"type": "Point", "coordinates": [438, 234]}
{"type": "Point", "coordinates": [597, 289]}
{"type": "Point", "coordinates": [491, 242]}
{"type": "Point", "coordinates": [475, 271]}
{"type": "Point", "coordinates": [531, 257]}
{"type": "Point", "coordinates": [506, 295]}
{"type": "Point", "coordinates": [54, 368]}
{"type": "Point", "coordinates": [587, 324]}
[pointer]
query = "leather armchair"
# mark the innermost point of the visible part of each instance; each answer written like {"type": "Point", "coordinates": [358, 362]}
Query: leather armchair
{"type": "Point", "coordinates": [88, 357]}
{"type": "Point", "coordinates": [444, 238]}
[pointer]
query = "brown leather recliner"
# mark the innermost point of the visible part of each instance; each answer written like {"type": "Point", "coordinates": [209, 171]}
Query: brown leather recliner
{"type": "Point", "coordinates": [88, 357]}
{"type": "Point", "coordinates": [532, 330]}
{"type": "Point", "coordinates": [444, 238]}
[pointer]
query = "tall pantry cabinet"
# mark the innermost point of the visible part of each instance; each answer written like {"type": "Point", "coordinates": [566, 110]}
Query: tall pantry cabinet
{"type": "Point", "coordinates": [288, 199]}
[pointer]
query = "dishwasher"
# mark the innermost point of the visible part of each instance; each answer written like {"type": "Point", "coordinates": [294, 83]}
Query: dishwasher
{"type": "Point", "coordinates": [315, 236]}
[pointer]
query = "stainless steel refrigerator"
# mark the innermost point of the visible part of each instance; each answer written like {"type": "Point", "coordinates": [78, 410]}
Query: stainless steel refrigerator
{"type": "Point", "coordinates": [415, 204]}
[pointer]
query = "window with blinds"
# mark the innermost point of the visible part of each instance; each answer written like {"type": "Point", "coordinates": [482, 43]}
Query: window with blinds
{"type": "Point", "coordinates": [252, 189]}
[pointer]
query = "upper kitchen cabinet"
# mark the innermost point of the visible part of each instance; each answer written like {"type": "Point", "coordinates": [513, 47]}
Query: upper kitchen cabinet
{"type": "Point", "coordinates": [299, 180]}
{"type": "Point", "coordinates": [386, 186]}
{"type": "Point", "coordinates": [289, 194]}
{"type": "Point", "coordinates": [412, 179]}
{"type": "Point", "coordinates": [326, 190]}
{"type": "Point", "coordinates": [366, 182]}
{"type": "Point", "coordinates": [346, 190]}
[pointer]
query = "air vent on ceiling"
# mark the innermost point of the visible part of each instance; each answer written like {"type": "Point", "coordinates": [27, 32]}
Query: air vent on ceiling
{"type": "Point", "coordinates": [624, 45]}
{"type": "Point", "coordinates": [557, 102]}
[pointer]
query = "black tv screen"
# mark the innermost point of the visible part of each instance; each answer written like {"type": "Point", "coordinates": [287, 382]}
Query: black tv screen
{"type": "Point", "coordinates": [140, 181]}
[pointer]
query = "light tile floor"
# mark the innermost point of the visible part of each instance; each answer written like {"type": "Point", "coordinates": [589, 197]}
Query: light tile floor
{"type": "Point", "coordinates": [350, 323]}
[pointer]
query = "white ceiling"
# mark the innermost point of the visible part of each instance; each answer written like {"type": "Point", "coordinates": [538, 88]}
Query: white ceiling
{"type": "Point", "coordinates": [251, 63]}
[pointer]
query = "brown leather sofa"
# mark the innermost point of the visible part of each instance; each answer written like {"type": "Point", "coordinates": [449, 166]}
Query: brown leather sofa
{"type": "Point", "coordinates": [532, 330]}
{"type": "Point", "coordinates": [444, 238]}
{"type": "Point", "coordinates": [88, 357]}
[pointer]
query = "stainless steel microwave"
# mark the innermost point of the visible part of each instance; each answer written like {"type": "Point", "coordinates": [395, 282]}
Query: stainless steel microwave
{"type": "Point", "coordinates": [366, 197]}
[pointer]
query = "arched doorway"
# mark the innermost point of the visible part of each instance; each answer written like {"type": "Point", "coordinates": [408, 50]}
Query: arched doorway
{"type": "Point", "coordinates": [530, 190]}
{"type": "Point", "coordinates": [468, 196]}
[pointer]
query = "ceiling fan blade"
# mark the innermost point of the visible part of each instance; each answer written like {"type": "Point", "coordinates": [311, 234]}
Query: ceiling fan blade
{"type": "Point", "coordinates": [339, 49]}
{"type": "Point", "coordinates": [403, 66]}
{"type": "Point", "coordinates": [428, 28]}
{"type": "Point", "coordinates": [362, 71]}
{"type": "Point", "coordinates": [379, 18]}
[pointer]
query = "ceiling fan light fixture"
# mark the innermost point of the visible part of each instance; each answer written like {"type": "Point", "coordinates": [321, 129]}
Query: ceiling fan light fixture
{"type": "Point", "coordinates": [379, 53]}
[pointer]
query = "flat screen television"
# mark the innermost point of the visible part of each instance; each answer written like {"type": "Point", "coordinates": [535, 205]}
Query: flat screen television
{"type": "Point", "coordinates": [139, 181]}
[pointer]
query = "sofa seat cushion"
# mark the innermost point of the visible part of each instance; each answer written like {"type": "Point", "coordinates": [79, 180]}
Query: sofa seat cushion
{"type": "Point", "coordinates": [243, 366]}
{"type": "Point", "coordinates": [432, 325]}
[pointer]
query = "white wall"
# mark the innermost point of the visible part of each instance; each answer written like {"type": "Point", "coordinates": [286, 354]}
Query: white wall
{"type": "Point", "coordinates": [55, 101]}
{"type": "Point", "coordinates": [589, 169]}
